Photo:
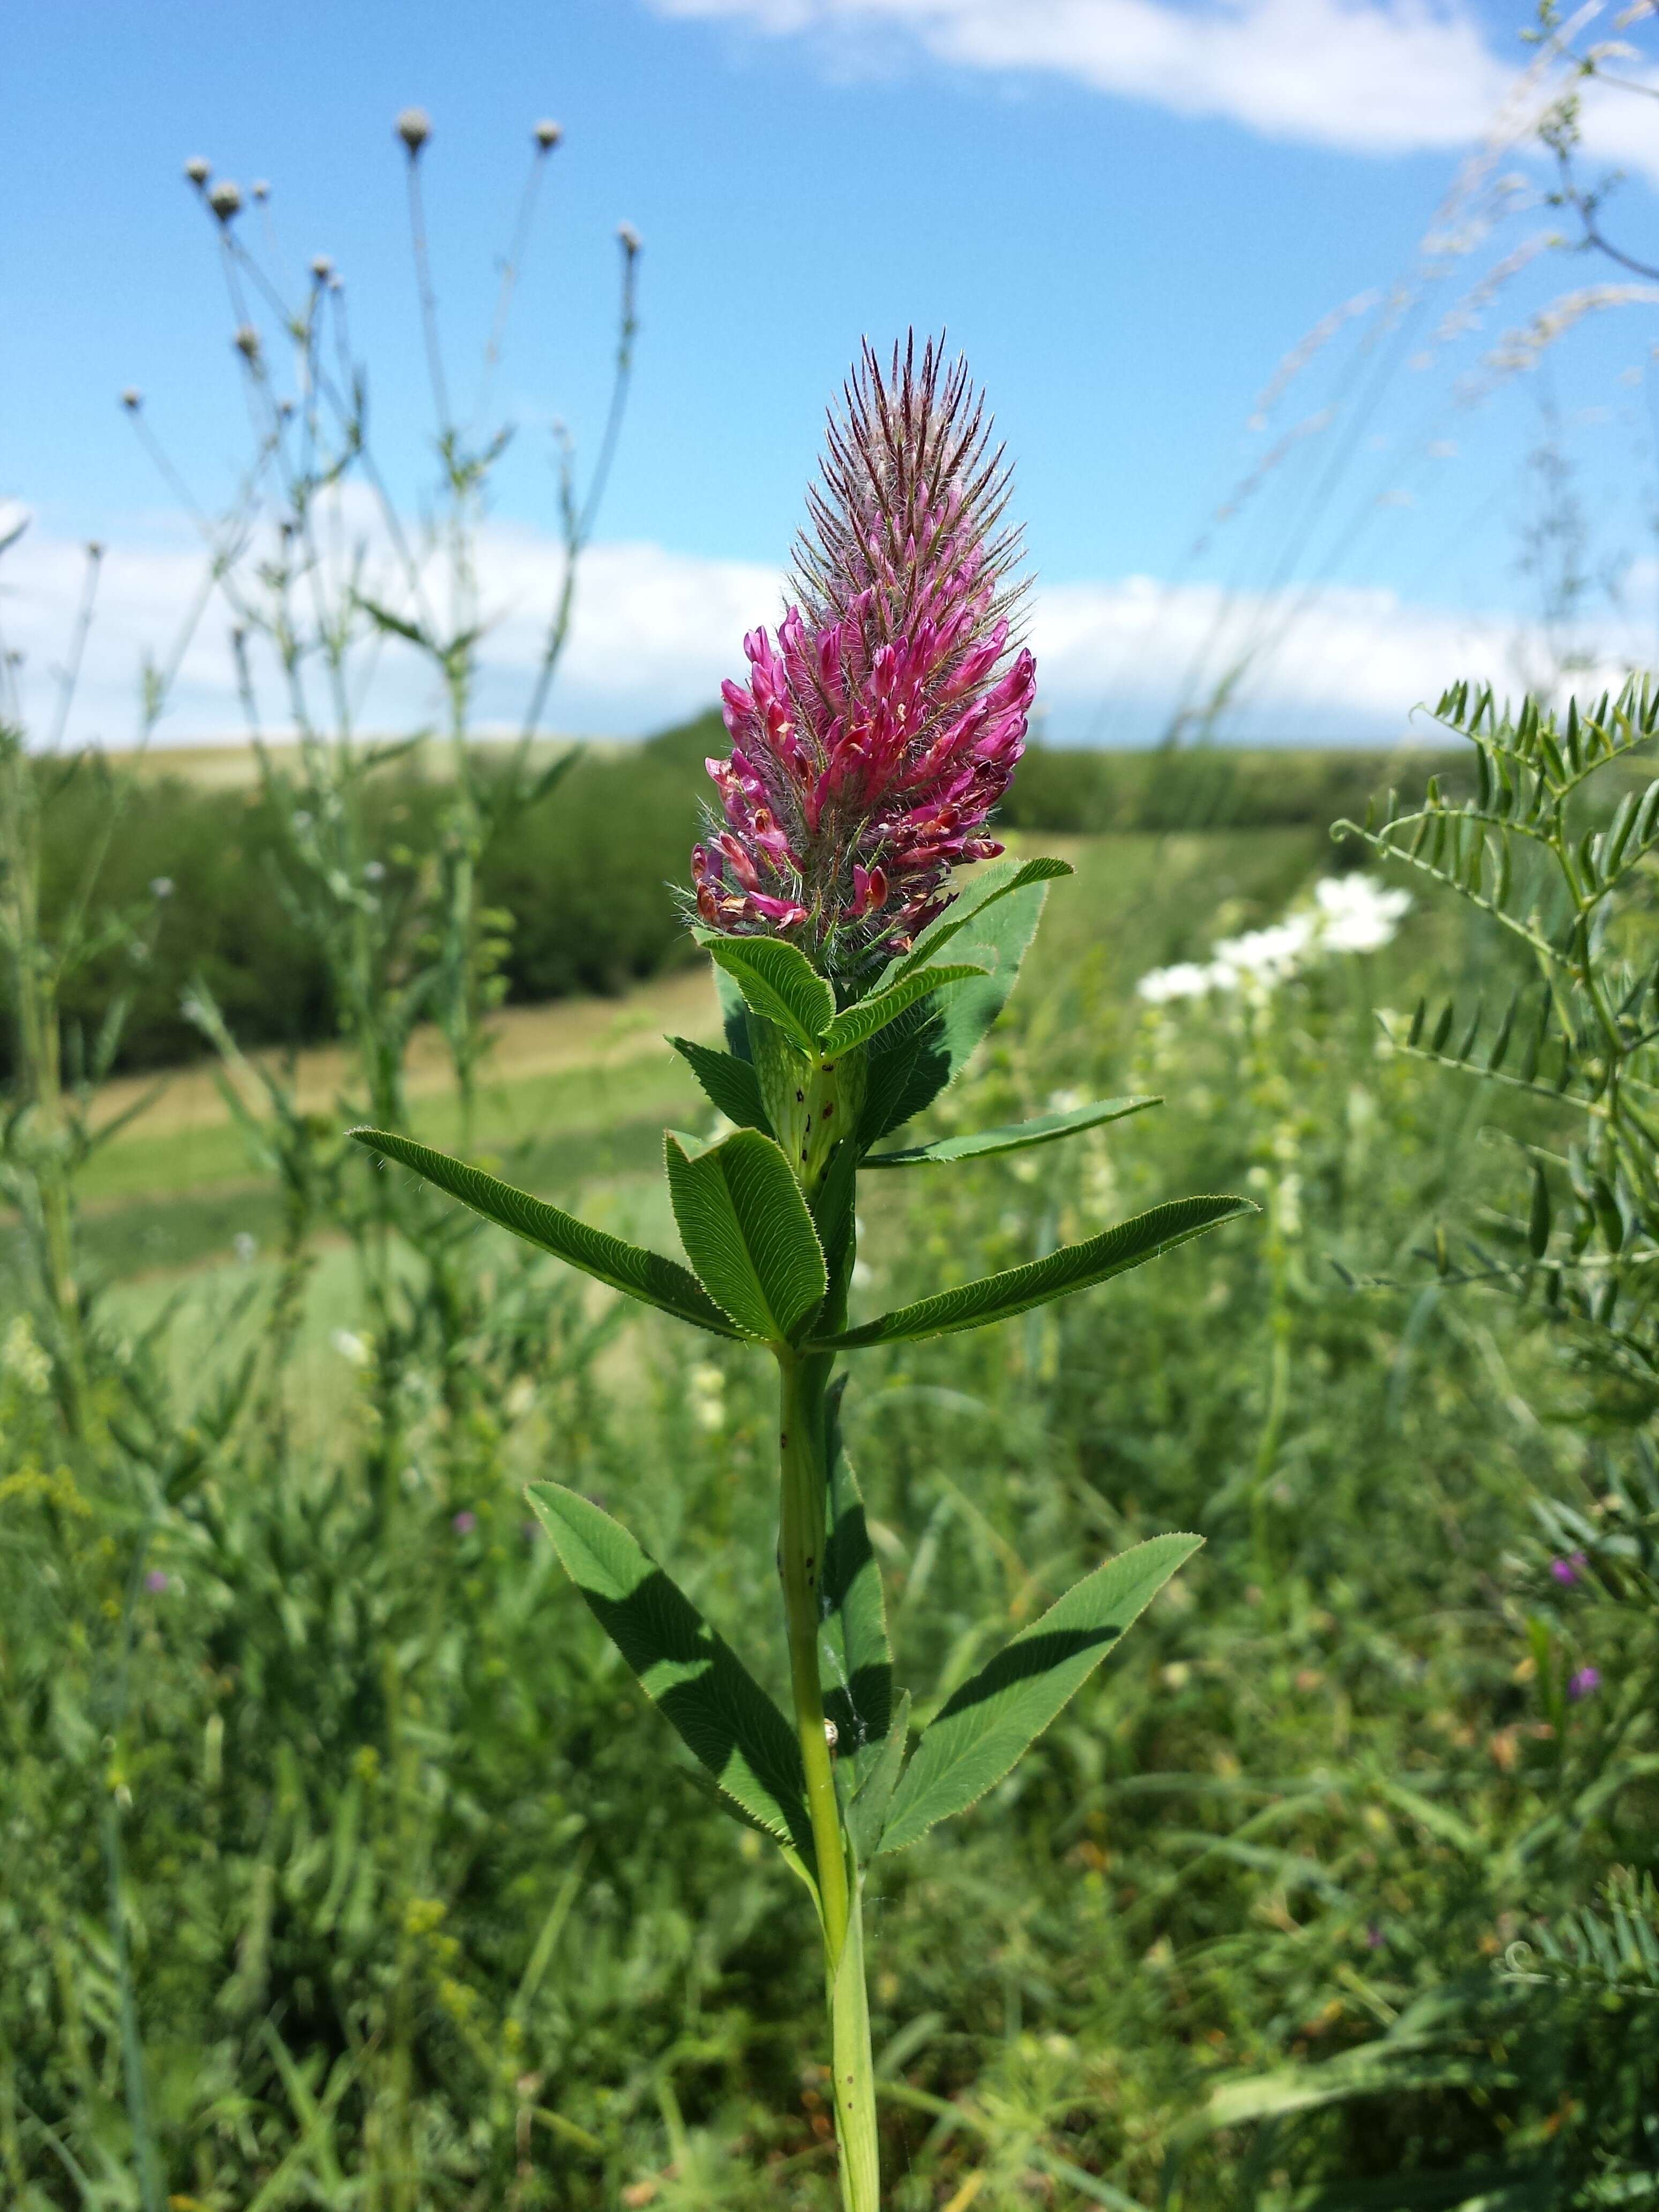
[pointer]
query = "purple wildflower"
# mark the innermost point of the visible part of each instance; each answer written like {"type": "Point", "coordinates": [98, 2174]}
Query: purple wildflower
{"type": "Point", "coordinates": [1375, 1939]}
{"type": "Point", "coordinates": [880, 727]}
{"type": "Point", "coordinates": [1567, 1572]}
{"type": "Point", "coordinates": [464, 1523]}
{"type": "Point", "coordinates": [1584, 1683]}
{"type": "Point", "coordinates": [155, 1582]}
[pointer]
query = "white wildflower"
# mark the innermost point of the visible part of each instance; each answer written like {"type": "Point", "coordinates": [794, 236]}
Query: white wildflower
{"type": "Point", "coordinates": [351, 1348]}
{"type": "Point", "coordinates": [1349, 914]}
{"type": "Point", "coordinates": [1186, 979]}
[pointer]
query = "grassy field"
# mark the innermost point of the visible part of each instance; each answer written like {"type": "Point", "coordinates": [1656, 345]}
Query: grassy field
{"type": "Point", "coordinates": [419, 1906]}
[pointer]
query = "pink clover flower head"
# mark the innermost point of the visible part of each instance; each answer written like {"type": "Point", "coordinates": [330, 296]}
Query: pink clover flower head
{"type": "Point", "coordinates": [464, 1523]}
{"type": "Point", "coordinates": [883, 722]}
{"type": "Point", "coordinates": [155, 1581]}
{"type": "Point", "coordinates": [1583, 1683]}
{"type": "Point", "coordinates": [1567, 1571]}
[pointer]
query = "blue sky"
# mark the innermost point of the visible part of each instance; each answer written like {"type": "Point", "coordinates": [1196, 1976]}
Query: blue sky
{"type": "Point", "coordinates": [1126, 211]}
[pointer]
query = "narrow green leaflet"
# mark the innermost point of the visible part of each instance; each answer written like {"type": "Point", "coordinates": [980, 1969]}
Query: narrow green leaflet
{"type": "Point", "coordinates": [730, 1084]}
{"type": "Point", "coordinates": [747, 1232]}
{"type": "Point", "coordinates": [867, 1812]}
{"type": "Point", "coordinates": [860, 1696]}
{"type": "Point", "coordinates": [1044, 1129]}
{"type": "Point", "coordinates": [984, 889]}
{"type": "Point", "coordinates": [779, 981]}
{"type": "Point", "coordinates": [913, 1059]}
{"type": "Point", "coordinates": [857, 1025]}
{"type": "Point", "coordinates": [724, 1717]}
{"type": "Point", "coordinates": [1000, 1711]}
{"type": "Point", "coordinates": [1074, 1268]}
{"type": "Point", "coordinates": [644, 1275]}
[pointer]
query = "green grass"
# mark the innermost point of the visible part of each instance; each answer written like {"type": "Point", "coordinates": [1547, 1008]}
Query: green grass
{"type": "Point", "coordinates": [424, 1911]}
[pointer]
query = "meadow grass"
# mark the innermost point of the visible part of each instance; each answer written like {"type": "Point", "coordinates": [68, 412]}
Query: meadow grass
{"type": "Point", "coordinates": [423, 1911]}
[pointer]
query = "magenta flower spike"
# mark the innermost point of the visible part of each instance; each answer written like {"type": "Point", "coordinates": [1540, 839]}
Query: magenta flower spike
{"type": "Point", "coordinates": [881, 725]}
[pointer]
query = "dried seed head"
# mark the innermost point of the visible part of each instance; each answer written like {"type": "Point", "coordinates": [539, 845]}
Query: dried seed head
{"type": "Point", "coordinates": [226, 200]}
{"type": "Point", "coordinates": [94, 548]}
{"type": "Point", "coordinates": [260, 189]}
{"type": "Point", "coordinates": [547, 134]}
{"type": "Point", "coordinates": [414, 127]}
{"type": "Point", "coordinates": [247, 342]}
{"type": "Point", "coordinates": [198, 169]}
{"type": "Point", "coordinates": [630, 239]}
{"type": "Point", "coordinates": [132, 399]}
{"type": "Point", "coordinates": [322, 268]}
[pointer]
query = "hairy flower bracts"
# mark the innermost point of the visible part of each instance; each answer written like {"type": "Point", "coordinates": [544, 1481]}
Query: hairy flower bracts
{"type": "Point", "coordinates": [879, 729]}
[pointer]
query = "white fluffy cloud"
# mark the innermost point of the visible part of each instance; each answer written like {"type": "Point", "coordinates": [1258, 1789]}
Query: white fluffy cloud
{"type": "Point", "coordinates": [1376, 76]}
{"type": "Point", "coordinates": [1369, 76]}
{"type": "Point", "coordinates": [655, 631]}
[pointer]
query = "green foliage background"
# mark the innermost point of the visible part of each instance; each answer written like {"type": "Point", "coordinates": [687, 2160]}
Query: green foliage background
{"type": "Point", "coordinates": [586, 880]}
{"type": "Point", "coordinates": [424, 1909]}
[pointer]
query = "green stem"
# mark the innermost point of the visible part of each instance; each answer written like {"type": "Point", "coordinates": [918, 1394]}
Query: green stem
{"type": "Point", "coordinates": [800, 1563]}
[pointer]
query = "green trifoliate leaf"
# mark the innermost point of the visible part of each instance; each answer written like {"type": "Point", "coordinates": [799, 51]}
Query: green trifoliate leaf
{"type": "Point", "coordinates": [1045, 1129]}
{"type": "Point", "coordinates": [992, 924]}
{"type": "Point", "coordinates": [993, 1717]}
{"type": "Point", "coordinates": [778, 980]}
{"type": "Point", "coordinates": [1074, 1268]}
{"type": "Point", "coordinates": [724, 1717]}
{"type": "Point", "coordinates": [746, 1230]}
{"type": "Point", "coordinates": [859, 1692]}
{"type": "Point", "coordinates": [857, 1025]}
{"type": "Point", "coordinates": [647, 1276]}
{"type": "Point", "coordinates": [730, 1084]}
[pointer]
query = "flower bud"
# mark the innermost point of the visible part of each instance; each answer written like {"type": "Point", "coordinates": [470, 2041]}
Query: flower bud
{"type": "Point", "coordinates": [630, 239]}
{"type": "Point", "coordinates": [414, 127]}
{"type": "Point", "coordinates": [246, 341]}
{"type": "Point", "coordinates": [226, 200]}
{"type": "Point", "coordinates": [322, 268]}
{"type": "Point", "coordinates": [260, 189]}
{"type": "Point", "coordinates": [547, 134]}
{"type": "Point", "coordinates": [198, 169]}
{"type": "Point", "coordinates": [132, 399]}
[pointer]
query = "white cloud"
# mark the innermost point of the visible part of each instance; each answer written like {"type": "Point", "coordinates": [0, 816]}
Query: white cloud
{"type": "Point", "coordinates": [1337, 663]}
{"type": "Point", "coordinates": [656, 630]}
{"type": "Point", "coordinates": [1370, 76]}
{"type": "Point", "coordinates": [654, 633]}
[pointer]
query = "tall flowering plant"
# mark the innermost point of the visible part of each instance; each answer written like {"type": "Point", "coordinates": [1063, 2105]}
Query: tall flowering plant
{"type": "Point", "coordinates": [857, 971]}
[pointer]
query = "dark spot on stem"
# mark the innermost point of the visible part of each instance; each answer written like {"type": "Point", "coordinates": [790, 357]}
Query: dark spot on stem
{"type": "Point", "coordinates": [801, 1097]}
